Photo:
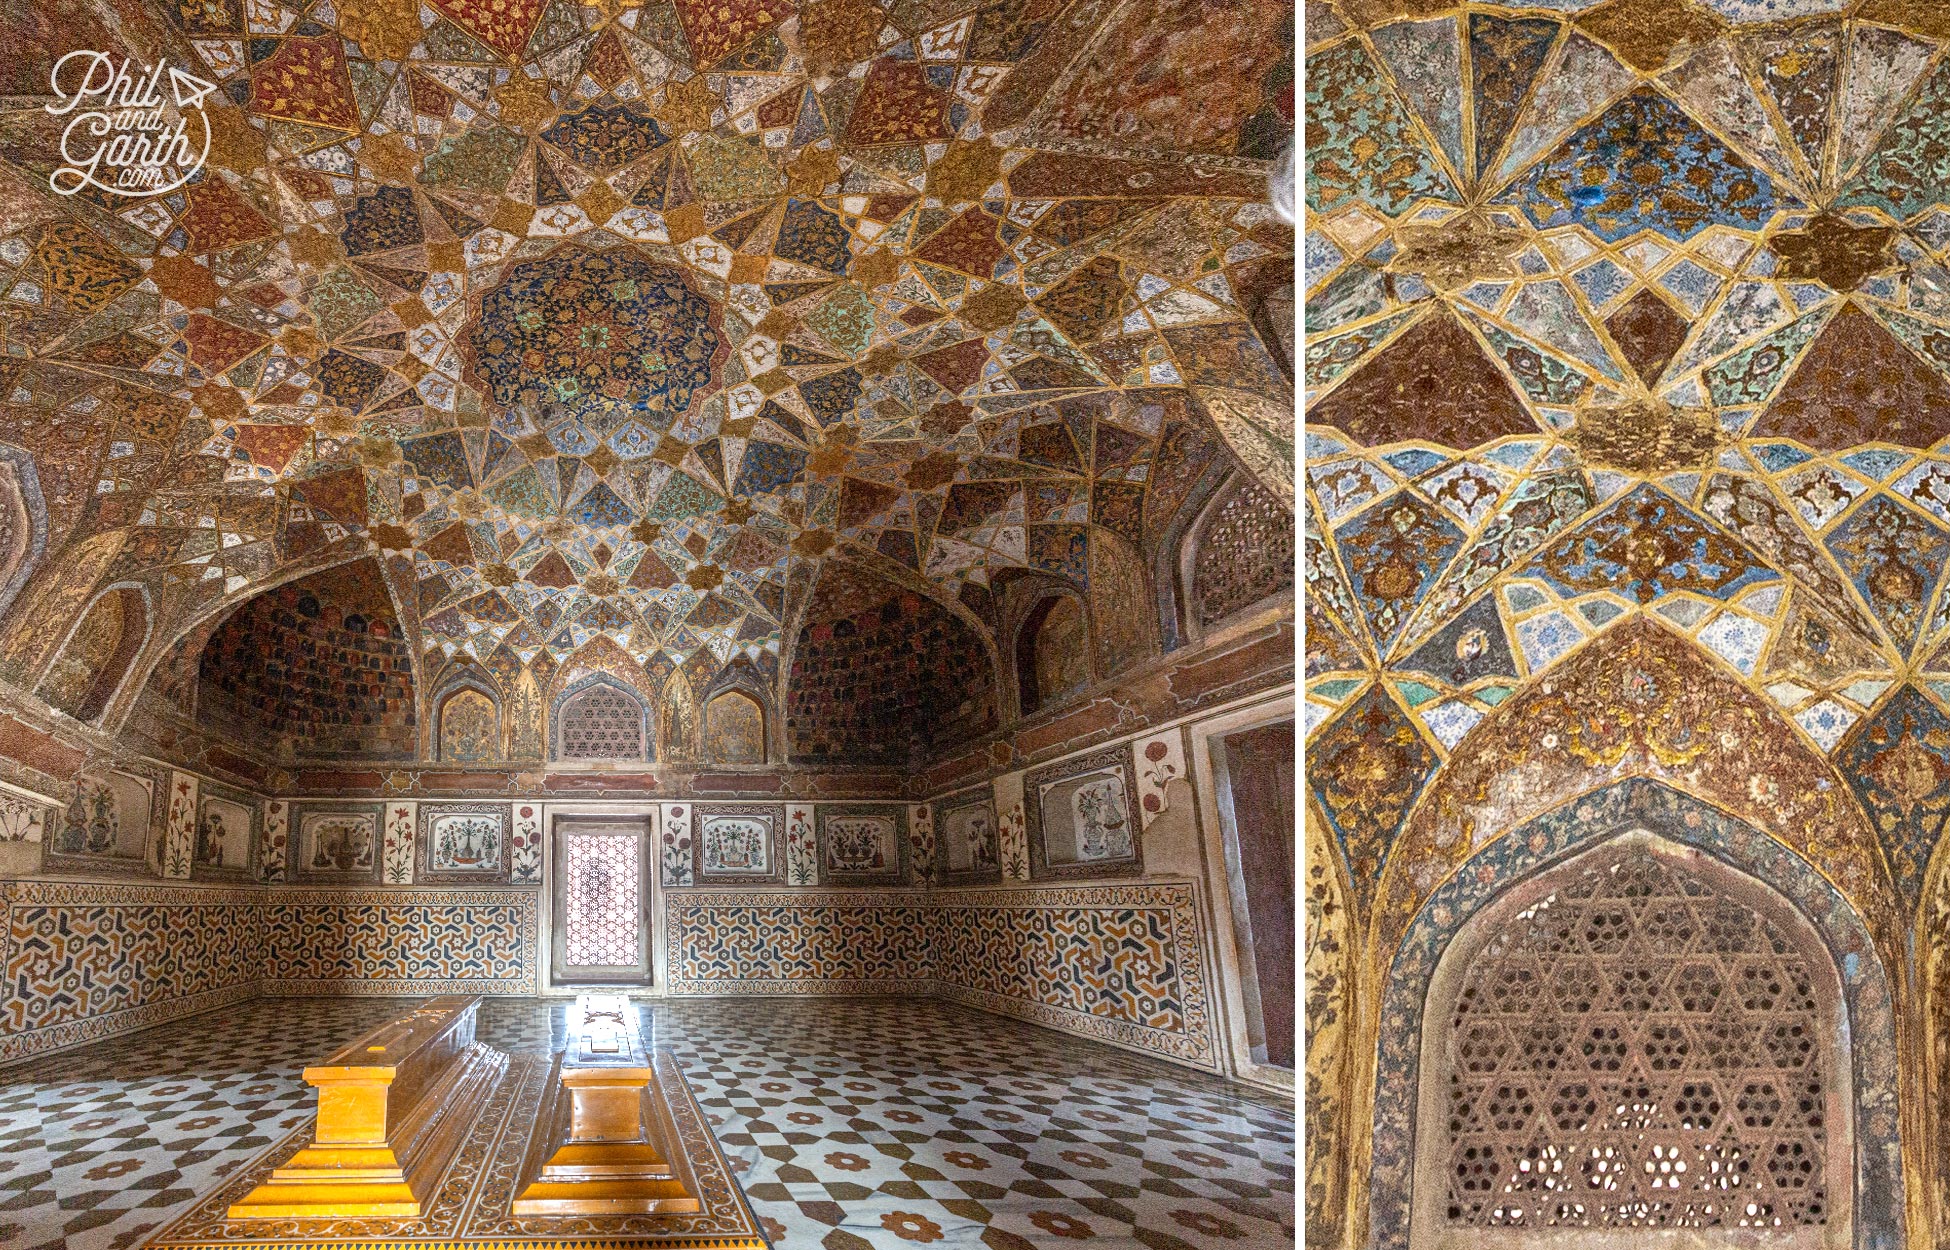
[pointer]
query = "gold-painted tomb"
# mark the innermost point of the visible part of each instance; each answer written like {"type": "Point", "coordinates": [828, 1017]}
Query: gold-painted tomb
{"type": "Point", "coordinates": [427, 1138]}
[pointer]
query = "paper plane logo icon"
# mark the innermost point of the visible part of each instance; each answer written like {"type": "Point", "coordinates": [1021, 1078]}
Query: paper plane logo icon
{"type": "Point", "coordinates": [188, 89]}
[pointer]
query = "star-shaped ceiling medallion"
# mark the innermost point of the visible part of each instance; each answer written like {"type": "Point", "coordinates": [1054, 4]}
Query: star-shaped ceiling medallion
{"type": "Point", "coordinates": [1646, 436]}
{"type": "Point", "coordinates": [1459, 252]}
{"type": "Point", "coordinates": [1835, 252]}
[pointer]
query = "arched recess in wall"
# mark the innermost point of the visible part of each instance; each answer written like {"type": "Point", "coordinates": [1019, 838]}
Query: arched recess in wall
{"type": "Point", "coordinates": [597, 718]}
{"type": "Point", "coordinates": [317, 667]}
{"type": "Point", "coordinates": [172, 681]}
{"type": "Point", "coordinates": [51, 601]}
{"type": "Point", "coordinates": [1166, 548]}
{"type": "Point", "coordinates": [879, 671]}
{"type": "Point", "coordinates": [1722, 943]}
{"type": "Point", "coordinates": [1052, 653]}
{"type": "Point", "coordinates": [1329, 1022]}
{"type": "Point", "coordinates": [735, 726]}
{"type": "Point", "coordinates": [23, 523]}
{"type": "Point", "coordinates": [467, 725]}
{"type": "Point", "coordinates": [94, 659]}
{"type": "Point", "coordinates": [1237, 556]}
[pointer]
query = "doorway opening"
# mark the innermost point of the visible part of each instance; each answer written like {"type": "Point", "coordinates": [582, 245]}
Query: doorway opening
{"type": "Point", "coordinates": [1257, 814]}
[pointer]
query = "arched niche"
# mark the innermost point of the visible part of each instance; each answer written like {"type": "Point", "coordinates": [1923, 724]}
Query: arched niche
{"type": "Point", "coordinates": [1052, 652]}
{"type": "Point", "coordinates": [1236, 557]}
{"type": "Point", "coordinates": [1710, 856]}
{"type": "Point", "coordinates": [94, 660]}
{"type": "Point", "coordinates": [734, 729]}
{"type": "Point", "coordinates": [879, 672]}
{"type": "Point", "coordinates": [599, 719]}
{"type": "Point", "coordinates": [318, 666]}
{"type": "Point", "coordinates": [468, 726]}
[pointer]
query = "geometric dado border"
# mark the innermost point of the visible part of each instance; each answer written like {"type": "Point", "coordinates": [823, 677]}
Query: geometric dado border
{"type": "Point", "coordinates": [1114, 922]}
{"type": "Point", "coordinates": [85, 961]}
{"type": "Point", "coordinates": [78, 971]}
{"type": "Point", "coordinates": [401, 942]}
{"type": "Point", "coordinates": [868, 942]}
{"type": "Point", "coordinates": [87, 971]}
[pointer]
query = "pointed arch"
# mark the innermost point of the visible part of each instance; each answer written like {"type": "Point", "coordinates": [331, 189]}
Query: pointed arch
{"type": "Point", "coordinates": [466, 726]}
{"type": "Point", "coordinates": [1634, 808]}
{"type": "Point", "coordinates": [1052, 653]}
{"type": "Point", "coordinates": [734, 728]}
{"type": "Point", "coordinates": [50, 602]}
{"type": "Point", "coordinates": [740, 722]}
{"type": "Point", "coordinates": [1166, 557]}
{"type": "Point", "coordinates": [191, 630]}
{"type": "Point", "coordinates": [810, 596]}
{"type": "Point", "coordinates": [880, 673]}
{"type": "Point", "coordinates": [95, 658]}
{"type": "Point", "coordinates": [1046, 625]}
{"type": "Point", "coordinates": [1235, 557]}
{"type": "Point", "coordinates": [1639, 700]}
{"type": "Point", "coordinates": [317, 666]}
{"type": "Point", "coordinates": [598, 718]}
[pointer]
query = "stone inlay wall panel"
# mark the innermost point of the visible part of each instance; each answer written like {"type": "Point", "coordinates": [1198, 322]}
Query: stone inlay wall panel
{"type": "Point", "coordinates": [401, 942]}
{"type": "Point", "coordinates": [1121, 963]}
{"type": "Point", "coordinates": [777, 942]}
{"type": "Point", "coordinates": [88, 961]}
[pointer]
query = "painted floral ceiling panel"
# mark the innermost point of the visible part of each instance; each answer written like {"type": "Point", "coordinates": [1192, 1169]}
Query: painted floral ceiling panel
{"type": "Point", "coordinates": [612, 321]}
{"type": "Point", "coordinates": [1632, 309]}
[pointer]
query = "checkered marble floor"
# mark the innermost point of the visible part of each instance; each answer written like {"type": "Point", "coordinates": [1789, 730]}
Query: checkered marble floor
{"type": "Point", "coordinates": [852, 1124]}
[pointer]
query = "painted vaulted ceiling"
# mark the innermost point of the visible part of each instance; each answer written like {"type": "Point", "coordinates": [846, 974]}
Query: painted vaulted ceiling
{"type": "Point", "coordinates": [1631, 311]}
{"type": "Point", "coordinates": [619, 322]}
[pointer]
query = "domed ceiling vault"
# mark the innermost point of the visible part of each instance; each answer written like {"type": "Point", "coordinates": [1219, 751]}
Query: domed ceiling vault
{"type": "Point", "coordinates": [1637, 310]}
{"type": "Point", "coordinates": [616, 322]}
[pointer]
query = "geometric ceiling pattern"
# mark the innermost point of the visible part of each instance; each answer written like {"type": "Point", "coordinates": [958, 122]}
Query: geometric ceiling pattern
{"type": "Point", "coordinates": [1627, 309]}
{"type": "Point", "coordinates": [614, 321]}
